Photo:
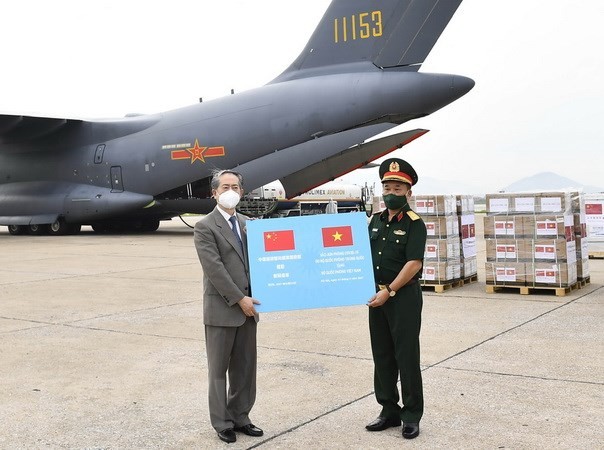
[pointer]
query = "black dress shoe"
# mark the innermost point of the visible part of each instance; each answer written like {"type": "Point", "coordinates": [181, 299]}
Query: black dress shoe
{"type": "Point", "coordinates": [410, 430]}
{"type": "Point", "coordinates": [250, 429]}
{"type": "Point", "coordinates": [227, 435]}
{"type": "Point", "coordinates": [381, 423]}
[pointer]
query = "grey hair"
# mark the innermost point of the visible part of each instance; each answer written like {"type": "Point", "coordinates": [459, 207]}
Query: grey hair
{"type": "Point", "coordinates": [217, 173]}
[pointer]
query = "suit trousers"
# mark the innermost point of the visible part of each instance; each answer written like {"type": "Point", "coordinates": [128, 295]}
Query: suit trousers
{"type": "Point", "coordinates": [231, 352]}
{"type": "Point", "coordinates": [394, 329]}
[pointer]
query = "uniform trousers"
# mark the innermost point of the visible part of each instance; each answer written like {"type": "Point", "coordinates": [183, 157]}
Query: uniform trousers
{"type": "Point", "coordinates": [394, 328]}
{"type": "Point", "coordinates": [231, 350]}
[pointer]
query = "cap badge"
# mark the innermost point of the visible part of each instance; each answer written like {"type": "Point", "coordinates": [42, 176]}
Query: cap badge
{"type": "Point", "coordinates": [394, 167]}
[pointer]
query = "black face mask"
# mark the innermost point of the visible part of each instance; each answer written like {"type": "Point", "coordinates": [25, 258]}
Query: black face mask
{"type": "Point", "coordinates": [394, 202]}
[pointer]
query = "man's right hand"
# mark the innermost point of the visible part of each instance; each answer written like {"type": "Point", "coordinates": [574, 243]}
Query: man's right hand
{"type": "Point", "coordinates": [247, 306]}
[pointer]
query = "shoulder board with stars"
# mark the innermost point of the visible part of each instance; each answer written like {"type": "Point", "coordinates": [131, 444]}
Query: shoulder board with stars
{"type": "Point", "coordinates": [412, 215]}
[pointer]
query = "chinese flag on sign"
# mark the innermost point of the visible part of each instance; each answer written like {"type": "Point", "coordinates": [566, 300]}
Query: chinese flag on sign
{"type": "Point", "coordinates": [337, 236]}
{"type": "Point", "coordinates": [279, 240]}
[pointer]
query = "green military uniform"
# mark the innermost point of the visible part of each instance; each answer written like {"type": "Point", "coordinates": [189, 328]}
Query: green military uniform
{"type": "Point", "coordinates": [395, 326]}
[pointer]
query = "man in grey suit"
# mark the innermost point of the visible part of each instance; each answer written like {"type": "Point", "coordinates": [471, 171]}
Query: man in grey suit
{"type": "Point", "coordinates": [229, 313]}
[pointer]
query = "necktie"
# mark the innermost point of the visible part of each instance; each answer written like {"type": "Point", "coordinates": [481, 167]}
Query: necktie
{"type": "Point", "coordinates": [233, 221]}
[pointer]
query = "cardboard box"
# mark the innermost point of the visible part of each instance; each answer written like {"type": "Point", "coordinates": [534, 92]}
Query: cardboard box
{"type": "Point", "coordinates": [551, 275]}
{"type": "Point", "coordinates": [505, 273]}
{"type": "Point", "coordinates": [511, 250]}
{"type": "Point", "coordinates": [580, 224]}
{"type": "Point", "coordinates": [469, 267]}
{"type": "Point", "coordinates": [529, 203]}
{"type": "Point", "coordinates": [503, 226]}
{"type": "Point", "coordinates": [549, 226]}
{"type": "Point", "coordinates": [499, 204]}
{"type": "Point", "coordinates": [594, 216]}
{"type": "Point", "coordinates": [582, 269]}
{"type": "Point", "coordinates": [434, 205]}
{"type": "Point", "coordinates": [550, 250]}
{"type": "Point", "coordinates": [465, 204]}
{"type": "Point", "coordinates": [442, 249]}
{"type": "Point", "coordinates": [467, 234]}
{"type": "Point", "coordinates": [577, 202]}
{"type": "Point", "coordinates": [441, 272]}
{"type": "Point", "coordinates": [441, 227]}
{"type": "Point", "coordinates": [582, 246]}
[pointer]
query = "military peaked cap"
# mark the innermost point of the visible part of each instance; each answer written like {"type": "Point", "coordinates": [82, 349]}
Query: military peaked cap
{"type": "Point", "coordinates": [396, 169]}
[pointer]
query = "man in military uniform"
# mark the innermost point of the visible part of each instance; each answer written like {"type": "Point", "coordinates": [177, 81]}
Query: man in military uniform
{"type": "Point", "coordinates": [398, 241]}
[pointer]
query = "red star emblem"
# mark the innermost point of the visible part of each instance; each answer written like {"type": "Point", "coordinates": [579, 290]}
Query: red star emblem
{"type": "Point", "coordinates": [196, 152]}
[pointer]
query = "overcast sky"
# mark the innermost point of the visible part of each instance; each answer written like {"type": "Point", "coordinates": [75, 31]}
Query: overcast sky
{"type": "Point", "coordinates": [537, 105]}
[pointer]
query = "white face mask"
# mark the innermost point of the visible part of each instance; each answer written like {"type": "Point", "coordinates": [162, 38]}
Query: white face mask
{"type": "Point", "coordinates": [229, 199]}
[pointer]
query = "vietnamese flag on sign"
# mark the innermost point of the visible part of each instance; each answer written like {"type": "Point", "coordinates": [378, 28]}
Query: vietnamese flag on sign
{"type": "Point", "coordinates": [337, 236]}
{"type": "Point", "coordinates": [279, 240]}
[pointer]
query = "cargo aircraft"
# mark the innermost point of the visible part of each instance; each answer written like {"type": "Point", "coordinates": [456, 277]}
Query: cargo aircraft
{"type": "Point", "coordinates": [357, 77]}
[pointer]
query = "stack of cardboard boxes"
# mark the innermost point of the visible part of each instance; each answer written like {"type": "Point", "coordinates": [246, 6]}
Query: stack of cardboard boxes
{"type": "Point", "coordinates": [451, 242]}
{"type": "Point", "coordinates": [530, 239]}
{"type": "Point", "coordinates": [467, 236]}
{"type": "Point", "coordinates": [594, 218]}
{"type": "Point", "coordinates": [580, 231]}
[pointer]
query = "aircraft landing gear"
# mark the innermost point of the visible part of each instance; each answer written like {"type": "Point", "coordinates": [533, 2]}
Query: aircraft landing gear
{"type": "Point", "coordinates": [17, 230]}
{"type": "Point", "coordinates": [60, 228]}
{"type": "Point", "coordinates": [127, 226]}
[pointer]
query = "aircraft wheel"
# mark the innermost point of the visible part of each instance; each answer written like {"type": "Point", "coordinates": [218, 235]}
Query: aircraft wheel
{"type": "Point", "coordinates": [150, 225]}
{"type": "Point", "coordinates": [36, 229]}
{"type": "Point", "coordinates": [100, 228]}
{"type": "Point", "coordinates": [58, 228]}
{"type": "Point", "coordinates": [16, 230]}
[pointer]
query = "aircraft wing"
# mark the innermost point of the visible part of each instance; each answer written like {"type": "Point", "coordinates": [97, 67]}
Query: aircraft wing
{"type": "Point", "coordinates": [279, 164]}
{"type": "Point", "coordinates": [21, 132]}
{"type": "Point", "coordinates": [16, 128]}
{"type": "Point", "coordinates": [352, 158]}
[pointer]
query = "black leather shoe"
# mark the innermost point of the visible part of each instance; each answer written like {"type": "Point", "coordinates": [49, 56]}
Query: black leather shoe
{"type": "Point", "coordinates": [227, 436]}
{"type": "Point", "coordinates": [250, 429]}
{"type": "Point", "coordinates": [381, 423]}
{"type": "Point", "coordinates": [410, 430]}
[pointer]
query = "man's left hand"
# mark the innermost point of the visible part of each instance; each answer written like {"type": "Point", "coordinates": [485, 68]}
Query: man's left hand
{"type": "Point", "coordinates": [247, 305]}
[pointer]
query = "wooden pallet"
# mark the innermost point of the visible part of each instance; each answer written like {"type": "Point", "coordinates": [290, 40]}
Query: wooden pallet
{"type": "Point", "coordinates": [526, 290]}
{"type": "Point", "coordinates": [596, 255]}
{"type": "Point", "coordinates": [582, 282]}
{"type": "Point", "coordinates": [440, 288]}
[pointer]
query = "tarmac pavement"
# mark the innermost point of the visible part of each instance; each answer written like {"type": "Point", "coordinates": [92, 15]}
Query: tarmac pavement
{"type": "Point", "coordinates": [102, 347]}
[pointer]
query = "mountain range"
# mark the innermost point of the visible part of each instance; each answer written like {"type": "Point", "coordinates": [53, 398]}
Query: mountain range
{"type": "Point", "coordinates": [544, 181]}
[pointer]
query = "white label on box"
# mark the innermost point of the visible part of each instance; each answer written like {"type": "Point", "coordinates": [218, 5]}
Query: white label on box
{"type": "Point", "coordinates": [546, 228]}
{"type": "Point", "coordinates": [431, 251]}
{"type": "Point", "coordinates": [430, 228]}
{"type": "Point", "coordinates": [506, 252]}
{"type": "Point", "coordinates": [505, 274]}
{"type": "Point", "coordinates": [498, 205]}
{"type": "Point", "coordinates": [429, 273]}
{"type": "Point", "coordinates": [545, 275]}
{"type": "Point", "coordinates": [525, 204]}
{"type": "Point", "coordinates": [424, 206]}
{"type": "Point", "coordinates": [545, 252]}
{"type": "Point", "coordinates": [551, 204]}
{"type": "Point", "coordinates": [505, 228]}
{"type": "Point", "coordinates": [571, 252]}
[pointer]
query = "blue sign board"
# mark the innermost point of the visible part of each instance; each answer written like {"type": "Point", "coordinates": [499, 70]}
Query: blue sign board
{"type": "Point", "coordinates": [310, 261]}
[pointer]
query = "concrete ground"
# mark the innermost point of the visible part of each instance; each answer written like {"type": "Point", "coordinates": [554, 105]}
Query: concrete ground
{"type": "Point", "coordinates": [102, 347]}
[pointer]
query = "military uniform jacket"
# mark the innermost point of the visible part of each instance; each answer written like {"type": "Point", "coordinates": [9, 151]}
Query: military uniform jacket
{"type": "Point", "coordinates": [396, 242]}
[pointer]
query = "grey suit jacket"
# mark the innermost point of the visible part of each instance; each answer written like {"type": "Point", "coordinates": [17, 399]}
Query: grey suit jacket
{"type": "Point", "coordinates": [225, 269]}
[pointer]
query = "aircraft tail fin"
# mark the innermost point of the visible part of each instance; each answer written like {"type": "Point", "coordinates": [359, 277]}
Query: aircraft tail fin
{"type": "Point", "coordinates": [388, 33]}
